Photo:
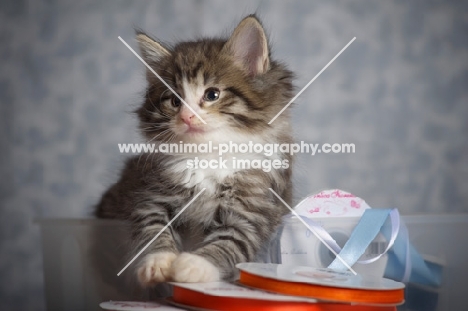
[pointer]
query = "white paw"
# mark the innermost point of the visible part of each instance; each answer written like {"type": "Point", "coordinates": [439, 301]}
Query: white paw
{"type": "Point", "coordinates": [192, 268]}
{"type": "Point", "coordinates": [155, 268]}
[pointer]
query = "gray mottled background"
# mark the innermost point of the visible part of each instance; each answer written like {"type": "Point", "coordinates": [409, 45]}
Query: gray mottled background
{"type": "Point", "coordinates": [67, 85]}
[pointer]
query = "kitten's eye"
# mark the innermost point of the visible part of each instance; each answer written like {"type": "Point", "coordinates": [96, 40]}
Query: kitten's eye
{"type": "Point", "coordinates": [176, 101]}
{"type": "Point", "coordinates": [211, 94]}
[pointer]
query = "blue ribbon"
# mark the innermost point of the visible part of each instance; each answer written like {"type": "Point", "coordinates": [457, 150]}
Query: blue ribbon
{"type": "Point", "coordinates": [407, 265]}
{"type": "Point", "coordinates": [363, 234]}
{"type": "Point", "coordinates": [404, 262]}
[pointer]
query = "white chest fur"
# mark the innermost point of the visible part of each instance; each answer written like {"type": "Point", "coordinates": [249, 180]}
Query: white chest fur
{"type": "Point", "coordinates": [205, 171]}
{"type": "Point", "coordinates": [209, 170]}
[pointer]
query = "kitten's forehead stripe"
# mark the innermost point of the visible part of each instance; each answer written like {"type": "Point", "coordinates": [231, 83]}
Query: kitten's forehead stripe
{"type": "Point", "coordinates": [242, 121]}
{"type": "Point", "coordinates": [194, 72]}
{"type": "Point", "coordinates": [227, 104]}
{"type": "Point", "coordinates": [242, 96]}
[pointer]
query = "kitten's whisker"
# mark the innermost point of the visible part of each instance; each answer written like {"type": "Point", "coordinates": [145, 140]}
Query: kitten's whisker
{"type": "Point", "coordinates": [165, 116]}
{"type": "Point", "coordinates": [169, 139]}
{"type": "Point", "coordinates": [162, 133]}
{"type": "Point", "coordinates": [155, 127]}
{"type": "Point", "coordinates": [159, 114]}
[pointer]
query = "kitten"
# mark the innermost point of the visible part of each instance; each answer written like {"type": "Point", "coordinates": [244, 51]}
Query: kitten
{"type": "Point", "coordinates": [236, 88]}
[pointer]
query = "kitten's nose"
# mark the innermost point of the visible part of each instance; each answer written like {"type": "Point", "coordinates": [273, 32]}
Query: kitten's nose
{"type": "Point", "coordinates": [187, 120]}
{"type": "Point", "coordinates": [187, 115]}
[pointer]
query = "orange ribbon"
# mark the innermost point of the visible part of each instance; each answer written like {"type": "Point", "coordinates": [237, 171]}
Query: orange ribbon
{"type": "Point", "coordinates": [323, 292]}
{"type": "Point", "coordinates": [196, 299]}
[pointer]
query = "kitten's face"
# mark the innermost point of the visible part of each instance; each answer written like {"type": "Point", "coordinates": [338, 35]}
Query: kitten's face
{"type": "Point", "coordinates": [231, 87]}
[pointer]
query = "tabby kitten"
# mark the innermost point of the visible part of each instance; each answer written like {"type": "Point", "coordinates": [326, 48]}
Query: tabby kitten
{"type": "Point", "coordinates": [236, 88]}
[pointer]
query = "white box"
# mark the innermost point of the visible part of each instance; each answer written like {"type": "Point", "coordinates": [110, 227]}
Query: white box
{"type": "Point", "coordinates": [81, 260]}
{"type": "Point", "coordinates": [83, 256]}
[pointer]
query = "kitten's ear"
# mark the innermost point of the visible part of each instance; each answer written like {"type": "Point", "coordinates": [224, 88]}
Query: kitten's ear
{"type": "Point", "coordinates": [249, 46]}
{"type": "Point", "coordinates": [151, 50]}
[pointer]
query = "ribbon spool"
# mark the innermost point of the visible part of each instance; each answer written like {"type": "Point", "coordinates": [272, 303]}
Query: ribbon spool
{"type": "Point", "coordinates": [323, 284]}
{"type": "Point", "coordinates": [191, 298]}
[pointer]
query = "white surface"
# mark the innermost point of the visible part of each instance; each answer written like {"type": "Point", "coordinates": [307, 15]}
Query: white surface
{"type": "Point", "coordinates": [76, 281]}
{"type": "Point", "coordinates": [136, 306]}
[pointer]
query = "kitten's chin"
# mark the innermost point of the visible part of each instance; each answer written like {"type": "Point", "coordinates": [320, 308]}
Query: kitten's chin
{"type": "Point", "coordinates": [193, 133]}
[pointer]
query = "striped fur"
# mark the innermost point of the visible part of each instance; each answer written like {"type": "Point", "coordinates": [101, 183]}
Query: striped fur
{"type": "Point", "coordinates": [236, 215]}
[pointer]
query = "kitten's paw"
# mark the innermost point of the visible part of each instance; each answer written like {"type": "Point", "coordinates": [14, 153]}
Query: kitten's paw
{"type": "Point", "coordinates": [155, 268]}
{"type": "Point", "coordinates": [192, 268]}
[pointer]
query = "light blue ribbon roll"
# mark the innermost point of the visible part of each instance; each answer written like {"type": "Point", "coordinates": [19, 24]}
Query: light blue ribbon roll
{"type": "Point", "coordinates": [364, 233]}
{"type": "Point", "coordinates": [404, 264]}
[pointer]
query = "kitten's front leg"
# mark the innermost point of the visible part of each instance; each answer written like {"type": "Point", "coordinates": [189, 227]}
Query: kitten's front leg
{"type": "Point", "coordinates": [156, 264]}
{"type": "Point", "coordinates": [155, 268]}
{"type": "Point", "coordinates": [236, 235]}
{"type": "Point", "coordinates": [191, 268]}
